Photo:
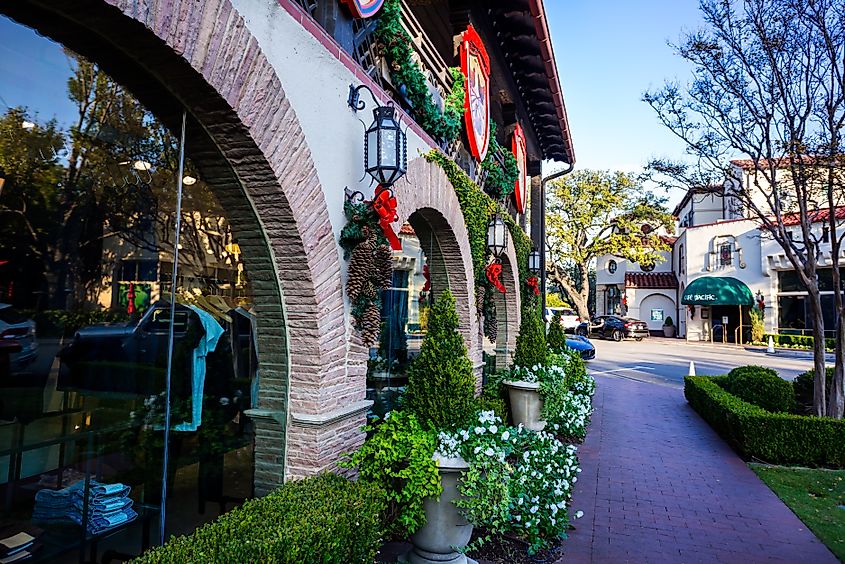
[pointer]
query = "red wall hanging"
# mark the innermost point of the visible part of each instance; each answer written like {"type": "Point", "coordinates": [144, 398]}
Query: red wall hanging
{"type": "Point", "coordinates": [363, 8]}
{"type": "Point", "coordinates": [520, 189]}
{"type": "Point", "coordinates": [475, 65]}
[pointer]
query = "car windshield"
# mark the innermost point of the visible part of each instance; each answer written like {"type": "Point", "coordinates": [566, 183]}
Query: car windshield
{"type": "Point", "coordinates": [11, 315]}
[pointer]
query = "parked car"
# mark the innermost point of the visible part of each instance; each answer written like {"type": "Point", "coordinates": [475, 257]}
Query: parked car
{"type": "Point", "coordinates": [17, 329]}
{"type": "Point", "coordinates": [582, 345]}
{"type": "Point", "coordinates": [568, 318]}
{"type": "Point", "coordinates": [614, 327]}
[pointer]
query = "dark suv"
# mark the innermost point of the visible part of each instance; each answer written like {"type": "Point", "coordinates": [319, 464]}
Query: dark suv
{"type": "Point", "coordinates": [614, 327]}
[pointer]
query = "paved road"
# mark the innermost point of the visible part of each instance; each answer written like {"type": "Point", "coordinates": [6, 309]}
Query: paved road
{"type": "Point", "coordinates": [666, 361]}
{"type": "Point", "coordinates": [659, 486]}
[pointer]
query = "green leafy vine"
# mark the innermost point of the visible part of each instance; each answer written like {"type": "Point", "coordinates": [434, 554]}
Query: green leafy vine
{"type": "Point", "coordinates": [405, 72]}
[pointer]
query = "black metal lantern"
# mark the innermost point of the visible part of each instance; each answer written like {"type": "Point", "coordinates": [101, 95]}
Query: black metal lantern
{"type": "Point", "coordinates": [385, 144]}
{"type": "Point", "coordinates": [497, 236]}
{"type": "Point", "coordinates": [534, 262]}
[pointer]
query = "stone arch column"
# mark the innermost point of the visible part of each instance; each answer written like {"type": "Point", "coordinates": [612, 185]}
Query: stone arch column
{"type": "Point", "coordinates": [508, 308]}
{"type": "Point", "coordinates": [428, 202]}
{"type": "Point", "coordinates": [201, 56]}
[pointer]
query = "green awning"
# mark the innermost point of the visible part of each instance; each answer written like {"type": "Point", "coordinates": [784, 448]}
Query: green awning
{"type": "Point", "coordinates": [715, 290]}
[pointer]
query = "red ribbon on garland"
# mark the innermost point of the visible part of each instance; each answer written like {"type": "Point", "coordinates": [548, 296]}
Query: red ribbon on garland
{"type": "Point", "coordinates": [384, 204]}
{"type": "Point", "coordinates": [494, 270]}
{"type": "Point", "coordinates": [534, 284]}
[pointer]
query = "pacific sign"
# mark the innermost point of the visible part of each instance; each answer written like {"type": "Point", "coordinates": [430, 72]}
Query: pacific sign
{"type": "Point", "coordinates": [702, 297]}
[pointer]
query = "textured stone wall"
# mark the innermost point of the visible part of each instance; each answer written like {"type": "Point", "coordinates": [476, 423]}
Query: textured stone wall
{"type": "Point", "coordinates": [201, 55]}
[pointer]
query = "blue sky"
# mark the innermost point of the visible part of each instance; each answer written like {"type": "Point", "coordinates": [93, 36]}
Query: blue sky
{"type": "Point", "coordinates": [608, 53]}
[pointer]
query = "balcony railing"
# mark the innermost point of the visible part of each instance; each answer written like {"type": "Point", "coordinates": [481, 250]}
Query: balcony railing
{"type": "Point", "coordinates": [357, 37]}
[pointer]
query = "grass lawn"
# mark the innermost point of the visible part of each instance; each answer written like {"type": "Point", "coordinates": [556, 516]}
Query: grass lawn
{"type": "Point", "coordinates": [817, 496]}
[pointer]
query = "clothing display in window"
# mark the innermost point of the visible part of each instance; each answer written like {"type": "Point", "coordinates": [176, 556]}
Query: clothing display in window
{"type": "Point", "coordinates": [109, 505]}
{"type": "Point", "coordinates": [206, 345]}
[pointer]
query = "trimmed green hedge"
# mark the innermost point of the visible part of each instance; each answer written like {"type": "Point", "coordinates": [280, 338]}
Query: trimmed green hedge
{"type": "Point", "coordinates": [324, 519]}
{"type": "Point", "coordinates": [777, 438]}
{"type": "Point", "coordinates": [797, 341]}
{"type": "Point", "coordinates": [762, 387]}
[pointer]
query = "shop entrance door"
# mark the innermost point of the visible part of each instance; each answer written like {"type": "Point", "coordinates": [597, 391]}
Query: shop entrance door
{"type": "Point", "coordinates": [726, 322]}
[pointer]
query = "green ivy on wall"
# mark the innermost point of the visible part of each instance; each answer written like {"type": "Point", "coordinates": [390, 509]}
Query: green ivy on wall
{"type": "Point", "coordinates": [477, 208]}
{"type": "Point", "coordinates": [444, 125]}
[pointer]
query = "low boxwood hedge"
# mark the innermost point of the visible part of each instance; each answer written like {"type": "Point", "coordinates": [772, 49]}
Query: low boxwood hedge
{"type": "Point", "coordinates": [796, 341]}
{"type": "Point", "coordinates": [777, 438]}
{"type": "Point", "coordinates": [324, 519]}
{"type": "Point", "coordinates": [762, 387]}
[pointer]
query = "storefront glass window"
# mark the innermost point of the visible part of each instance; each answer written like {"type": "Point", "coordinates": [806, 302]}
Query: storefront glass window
{"type": "Point", "coordinates": [87, 248]}
{"type": "Point", "coordinates": [404, 319]}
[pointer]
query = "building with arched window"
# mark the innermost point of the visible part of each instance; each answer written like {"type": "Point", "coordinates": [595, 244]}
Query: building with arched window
{"type": "Point", "coordinates": [175, 260]}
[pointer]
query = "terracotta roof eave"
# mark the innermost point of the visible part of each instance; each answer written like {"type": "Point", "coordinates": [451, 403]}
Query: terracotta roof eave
{"type": "Point", "coordinates": [541, 26]}
{"type": "Point", "coordinates": [651, 280]}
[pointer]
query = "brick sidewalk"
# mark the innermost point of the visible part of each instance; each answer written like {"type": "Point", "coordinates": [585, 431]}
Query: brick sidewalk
{"type": "Point", "coordinates": [658, 485]}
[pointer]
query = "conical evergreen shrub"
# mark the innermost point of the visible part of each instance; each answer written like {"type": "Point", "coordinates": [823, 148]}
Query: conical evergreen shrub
{"type": "Point", "coordinates": [441, 383]}
{"type": "Point", "coordinates": [556, 338]}
{"type": "Point", "coordinates": [531, 341]}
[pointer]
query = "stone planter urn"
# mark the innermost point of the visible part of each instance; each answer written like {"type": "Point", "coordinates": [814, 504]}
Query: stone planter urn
{"type": "Point", "coordinates": [526, 404]}
{"type": "Point", "coordinates": [445, 528]}
{"type": "Point", "coordinates": [668, 330]}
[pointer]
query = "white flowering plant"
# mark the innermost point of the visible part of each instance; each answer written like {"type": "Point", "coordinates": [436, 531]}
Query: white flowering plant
{"type": "Point", "coordinates": [519, 481]}
{"type": "Point", "coordinates": [566, 390]}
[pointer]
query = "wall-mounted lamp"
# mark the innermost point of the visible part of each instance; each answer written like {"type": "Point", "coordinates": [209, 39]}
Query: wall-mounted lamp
{"type": "Point", "coordinates": [385, 144]}
{"type": "Point", "coordinates": [534, 261]}
{"type": "Point", "coordinates": [497, 236]}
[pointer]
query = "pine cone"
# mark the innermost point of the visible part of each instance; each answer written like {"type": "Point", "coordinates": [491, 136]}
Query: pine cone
{"type": "Point", "coordinates": [370, 325]}
{"type": "Point", "coordinates": [491, 325]}
{"type": "Point", "coordinates": [360, 267]}
{"type": "Point", "coordinates": [480, 292]}
{"type": "Point", "coordinates": [383, 264]}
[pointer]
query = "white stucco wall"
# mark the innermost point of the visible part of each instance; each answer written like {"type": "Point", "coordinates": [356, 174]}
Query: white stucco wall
{"type": "Point", "coordinates": [646, 300]}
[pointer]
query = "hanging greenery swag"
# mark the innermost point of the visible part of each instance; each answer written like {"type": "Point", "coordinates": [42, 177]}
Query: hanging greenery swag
{"type": "Point", "coordinates": [444, 125]}
{"type": "Point", "coordinates": [370, 266]}
{"type": "Point", "coordinates": [477, 208]}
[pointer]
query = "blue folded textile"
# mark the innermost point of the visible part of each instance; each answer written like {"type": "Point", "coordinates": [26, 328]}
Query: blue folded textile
{"type": "Point", "coordinates": [109, 505]}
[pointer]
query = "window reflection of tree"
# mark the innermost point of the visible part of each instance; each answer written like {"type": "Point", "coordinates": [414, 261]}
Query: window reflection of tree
{"type": "Point", "coordinates": [109, 176]}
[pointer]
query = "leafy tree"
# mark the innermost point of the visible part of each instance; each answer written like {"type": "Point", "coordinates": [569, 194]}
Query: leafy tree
{"type": "Point", "coordinates": [594, 213]}
{"type": "Point", "coordinates": [441, 382]}
{"type": "Point", "coordinates": [553, 299]}
{"type": "Point", "coordinates": [768, 87]}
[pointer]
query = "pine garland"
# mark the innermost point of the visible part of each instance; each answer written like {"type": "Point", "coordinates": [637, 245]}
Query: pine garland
{"type": "Point", "coordinates": [370, 267]}
{"type": "Point", "coordinates": [444, 125]}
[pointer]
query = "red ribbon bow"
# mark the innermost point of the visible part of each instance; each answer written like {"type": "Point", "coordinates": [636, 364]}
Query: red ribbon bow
{"type": "Point", "coordinates": [494, 270]}
{"type": "Point", "coordinates": [384, 204]}
{"type": "Point", "coordinates": [534, 284]}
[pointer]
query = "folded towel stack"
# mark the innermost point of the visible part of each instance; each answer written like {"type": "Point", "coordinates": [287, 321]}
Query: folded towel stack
{"type": "Point", "coordinates": [109, 505]}
{"type": "Point", "coordinates": [19, 546]}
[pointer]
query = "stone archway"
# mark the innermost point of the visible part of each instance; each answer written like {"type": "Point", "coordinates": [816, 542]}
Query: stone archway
{"type": "Point", "coordinates": [428, 202]}
{"type": "Point", "coordinates": [201, 56]}
{"type": "Point", "coordinates": [508, 308]}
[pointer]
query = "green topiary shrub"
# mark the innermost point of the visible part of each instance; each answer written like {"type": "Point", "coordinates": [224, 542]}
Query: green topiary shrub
{"type": "Point", "coordinates": [802, 387]}
{"type": "Point", "coordinates": [776, 438]}
{"type": "Point", "coordinates": [556, 339]}
{"type": "Point", "coordinates": [762, 387]}
{"type": "Point", "coordinates": [317, 520]}
{"type": "Point", "coordinates": [441, 382]}
{"type": "Point", "coordinates": [531, 341]}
